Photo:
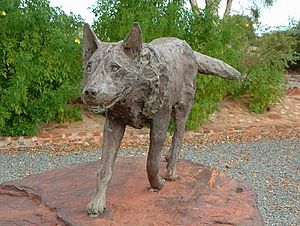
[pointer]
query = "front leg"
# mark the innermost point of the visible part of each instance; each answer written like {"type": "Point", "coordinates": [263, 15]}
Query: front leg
{"type": "Point", "coordinates": [112, 136]}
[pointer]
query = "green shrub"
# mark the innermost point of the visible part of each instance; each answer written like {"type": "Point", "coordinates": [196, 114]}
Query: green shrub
{"type": "Point", "coordinates": [227, 40]}
{"type": "Point", "coordinates": [267, 61]}
{"type": "Point", "coordinates": [296, 34]}
{"type": "Point", "coordinates": [295, 30]}
{"type": "Point", "coordinates": [40, 65]}
{"type": "Point", "coordinates": [158, 18]}
{"type": "Point", "coordinates": [263, 59]}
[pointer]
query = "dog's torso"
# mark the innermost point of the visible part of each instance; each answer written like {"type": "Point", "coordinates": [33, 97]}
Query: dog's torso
{"type": "Point", "coordinates": [182, 68]}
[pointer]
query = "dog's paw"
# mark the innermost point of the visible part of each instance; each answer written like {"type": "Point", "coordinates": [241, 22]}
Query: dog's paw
{"type": "Point", "coordinates": [150, 189]}
{"type": "Point", "coordinates": [96, 207]}
{"type": "Point", "coordinates": [170, 175]}
{"type": "Point", "coordinates": [157, 184]}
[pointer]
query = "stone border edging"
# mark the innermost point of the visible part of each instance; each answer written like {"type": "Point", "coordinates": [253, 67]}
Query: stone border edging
{"type": "Point", "coordinates": [66, 141]}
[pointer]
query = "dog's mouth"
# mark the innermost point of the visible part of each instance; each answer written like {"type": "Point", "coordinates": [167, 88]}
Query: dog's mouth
{"type": "Point", "coordinates": [98, 109]}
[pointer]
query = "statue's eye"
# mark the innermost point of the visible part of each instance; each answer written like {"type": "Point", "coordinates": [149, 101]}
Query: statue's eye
{"type": "Point", "coordinates": [115, 67]}
{"type": "Point", "coordinates": [88, 68]}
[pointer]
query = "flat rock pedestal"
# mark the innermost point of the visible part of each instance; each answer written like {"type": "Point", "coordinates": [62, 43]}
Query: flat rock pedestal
{"type": "Point", "coordinates": [200, 196]}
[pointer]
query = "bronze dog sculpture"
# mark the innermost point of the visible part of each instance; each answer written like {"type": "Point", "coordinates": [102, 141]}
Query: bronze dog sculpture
{"type": "Point", "coordinates": [137, 83]}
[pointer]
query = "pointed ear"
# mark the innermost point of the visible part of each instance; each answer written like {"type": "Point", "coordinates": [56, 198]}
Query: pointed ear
{"type": "Point", "coordinates": [132, 44]}
{"type": "Point", "coordinates": [90, 42]}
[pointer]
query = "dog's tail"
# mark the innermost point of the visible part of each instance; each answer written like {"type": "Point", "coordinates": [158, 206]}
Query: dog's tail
{"type": "Point", "coordinates": [211, 66]}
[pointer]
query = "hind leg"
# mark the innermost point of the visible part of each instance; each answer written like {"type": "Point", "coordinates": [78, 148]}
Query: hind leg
{"type": "Point", "coordinates": [180, 115]}
{"type": "Point", "coordinates": [158, 131]}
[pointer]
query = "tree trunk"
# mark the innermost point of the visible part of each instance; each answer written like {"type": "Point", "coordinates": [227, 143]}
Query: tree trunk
{"type": "Point", "coordinates": [213, 6]}
{"type": "Point", "coordinates": [195, 8]}
{"type": "Point", "coordinates": [228, 8]}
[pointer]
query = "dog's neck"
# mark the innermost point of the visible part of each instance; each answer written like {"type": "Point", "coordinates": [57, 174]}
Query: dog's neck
{"type": "Point", "coordinates": [148, 92]}
{"type": "Point", "coordinates": [152, 84]}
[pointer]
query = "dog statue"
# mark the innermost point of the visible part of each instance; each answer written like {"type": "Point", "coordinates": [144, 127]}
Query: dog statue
{"type": "Point", "coordinates": [136, 83]}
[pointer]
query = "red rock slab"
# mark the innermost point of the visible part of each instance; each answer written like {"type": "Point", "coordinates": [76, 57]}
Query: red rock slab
{"type": "Point", "coordinates": [200, 196]}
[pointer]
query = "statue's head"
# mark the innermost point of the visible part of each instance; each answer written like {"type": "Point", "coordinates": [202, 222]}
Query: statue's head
{"type": "Point", "coordinates": [110, 69]}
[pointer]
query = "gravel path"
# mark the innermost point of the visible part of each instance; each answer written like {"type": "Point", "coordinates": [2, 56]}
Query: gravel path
{"type": "Point", "coordinates": [272, 167]}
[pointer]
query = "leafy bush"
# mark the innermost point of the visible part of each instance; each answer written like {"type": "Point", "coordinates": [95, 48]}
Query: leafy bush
{"type": "Point", "coordinates": [296, 34]}
{"type": "Point", "coordinates": [40, 65]}
{"type": "Point", "coordinates": [228, 40]}
{"type": "Point", "coordinates": [159, 18]}
{"type": "Point", "coordinates": [267, 62]}
{"type": "Point", "coordinates": [263, 59]}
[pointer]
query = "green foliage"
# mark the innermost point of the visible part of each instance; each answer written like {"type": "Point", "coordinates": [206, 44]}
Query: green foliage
{"type": "Point", "coordinates": [296, 34]}
{"type": "Point", "coordinates": [267, 60]}
{"type": "Point", "coordinates": [263, 59]}
{"type": "Point", "coordinates": [227, 40]}
{"type": "Point", "coordinates": [157, 18]}
{"type": "Point", "coordinates": [40, 65]}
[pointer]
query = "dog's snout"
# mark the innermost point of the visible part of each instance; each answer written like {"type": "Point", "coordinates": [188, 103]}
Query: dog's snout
{"type": "Point", "coordinates": [90, 95]}
{"type": "Point", "coordinates": [98, 95]}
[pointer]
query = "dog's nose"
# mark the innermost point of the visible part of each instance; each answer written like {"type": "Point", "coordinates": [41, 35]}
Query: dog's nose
{"type": "Point", "coordinates": [92, 93]}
